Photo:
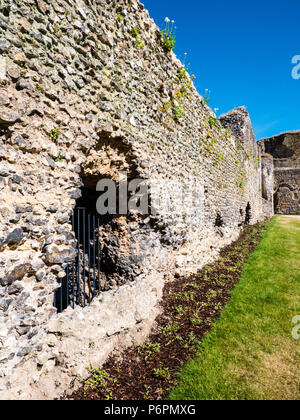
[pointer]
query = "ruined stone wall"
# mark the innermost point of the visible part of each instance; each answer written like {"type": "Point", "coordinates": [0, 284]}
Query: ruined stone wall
{"type": "Point", "coordinates": [285, 149]}
{"type": "Point", "coordinates": [88, 90]}
{"type": "Point", "coordinates": [267, 168]}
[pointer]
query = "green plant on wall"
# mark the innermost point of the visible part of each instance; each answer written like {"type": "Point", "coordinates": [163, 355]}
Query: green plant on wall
{"type": "Point", "coordinates": [218, 158]}
{"type": "Point", "coordinates": [213, 122]}
{"type": "Point", "coordinates": [38, 88]}
{"type": "Point", "coordinates": [57, 30]}
{"type": "Point", "coordinates": [136, 33]}
{"type": "Point", "coordinates": [206, 97]}
{"type": "Point", "coordinates": [178, 112]}
{"type": "Point", "coordinates": [180, 87]}
{"type": "Point", "coordinates": [242, 186]}
{"type": "Point", "coordinates": [208, 145]}
{"type": "Point", "coordinates": [238, 145]}
{"type": "Point", "coordinates": [182, 70]}
{"type": "Point", "coordinates": [242, 177]}
{"type": "Point", "coordinates": [70, 14]}
{"type": "Point", "coordinates": [227, 133]}
{"type": "Point", "coordinates": [120, 16]}
{"type": "Point", "coordinates": [60, 157]}
{"type": "Point", "coordinates": [168, 34]}
{"type": "Point", "coordinates": [55, 133]}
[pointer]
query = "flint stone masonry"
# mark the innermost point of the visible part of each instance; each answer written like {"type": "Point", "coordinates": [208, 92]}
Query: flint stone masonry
{"type": "Point", "coordinates": [81, 100]}
{"type": "Point", "coordinates": [285, 150]}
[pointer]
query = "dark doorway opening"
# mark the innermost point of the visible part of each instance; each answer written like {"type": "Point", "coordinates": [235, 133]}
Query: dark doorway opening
{"type": "Point", "coordinates": [83, 276]}
{"type": "Point", "coordinates": [219, 221]}
{"type": "Point", "coordinates": [248, 214]}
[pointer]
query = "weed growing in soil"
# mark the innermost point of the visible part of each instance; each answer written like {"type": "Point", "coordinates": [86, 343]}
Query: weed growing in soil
{"type": "Point", "coordinates": [97, 378]}
{"type": "Point", "coordinates": [162, 373]}
{"type": "Point", "coordinates": [148, 349]}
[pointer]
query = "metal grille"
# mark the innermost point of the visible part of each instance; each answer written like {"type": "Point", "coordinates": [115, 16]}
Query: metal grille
{"type": "Point", "coordinates": [82, 281]}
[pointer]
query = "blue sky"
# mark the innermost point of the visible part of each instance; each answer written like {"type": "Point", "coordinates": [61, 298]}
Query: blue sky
{"type": "Point", "coordinates": [242, 52]}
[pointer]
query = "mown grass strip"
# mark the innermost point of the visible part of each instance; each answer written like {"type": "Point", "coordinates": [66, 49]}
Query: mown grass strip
{"type": "Point", "coordinates": [250, 353]}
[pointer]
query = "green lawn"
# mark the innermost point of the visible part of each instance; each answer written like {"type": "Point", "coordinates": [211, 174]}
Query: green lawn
{"type": "Point", "coordinates": [250, 353]}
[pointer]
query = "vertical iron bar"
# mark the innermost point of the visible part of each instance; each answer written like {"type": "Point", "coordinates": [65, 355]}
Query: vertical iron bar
{"type": "Point", "coordinates": [55, 299]}
{"type": "Point", "coordinates": [83, 240]}
{"type": "Point", "coordinates": [73, 285]}
{"type": "Point", "coordinates": [94, 254]}
{"type": "Point", "coordinates": [78, 273]}
{"type": "Point", "coordinates": [61, 295]}
{"type": "Point", "coordinates": [98, 243]}
{"type": "Point", "coordinates": [89, 251]}
{"type": "Point", "coordinates": [73, 263]}
{"type": "Point", "coordinates": [67, 291]}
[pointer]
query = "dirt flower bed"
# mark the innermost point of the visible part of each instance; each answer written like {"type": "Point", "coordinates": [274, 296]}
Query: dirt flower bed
{"type": "Point", "coordinates": [191, 306]}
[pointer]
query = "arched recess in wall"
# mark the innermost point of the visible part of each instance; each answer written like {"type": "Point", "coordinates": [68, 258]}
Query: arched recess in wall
{"type": "Point", "coordinates": [107, 160]}
{"type": "Point", "coordinates": [284, 193]}
{"type": "Point", "coordinates": [101, 263]}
